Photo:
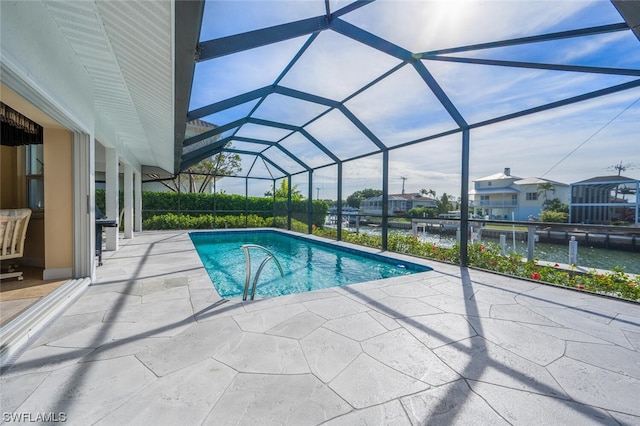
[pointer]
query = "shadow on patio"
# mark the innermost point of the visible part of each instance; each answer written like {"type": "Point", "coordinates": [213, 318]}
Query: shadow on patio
{"type": "Point", "coordinates": [151, 342]}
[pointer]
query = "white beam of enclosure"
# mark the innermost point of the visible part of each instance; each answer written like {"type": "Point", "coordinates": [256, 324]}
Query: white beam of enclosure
{"type": "Point", "coordinates": [111, 194]}
{"type": "Point", "coordinates": [137, 225]}
{"type": "Point", "coordinates": [128, 201]}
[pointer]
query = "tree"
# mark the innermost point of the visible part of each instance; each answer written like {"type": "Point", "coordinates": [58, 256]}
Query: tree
{"type": "Point", "coordinates": [283, 191]}
{"type": "Point", "coordinates": [354, 199]}
{"type": "Point", "coordinates": [444, 205]}
{"type": "Point", "coordinates": [428, 192]}
{"type": "Point", "coordinates": [198, 176]}
{"type": "Point", "coordinates": [544, 188]}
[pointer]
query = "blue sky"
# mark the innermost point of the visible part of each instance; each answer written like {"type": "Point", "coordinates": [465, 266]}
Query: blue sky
{"type": "Point", "coordinates": [567, 145]}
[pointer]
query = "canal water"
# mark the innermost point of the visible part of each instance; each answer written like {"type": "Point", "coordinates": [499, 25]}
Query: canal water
{"type": "Point", "coordinates": [588, 257]}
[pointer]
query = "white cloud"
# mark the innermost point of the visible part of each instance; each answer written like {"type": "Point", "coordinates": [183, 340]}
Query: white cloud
{"type": "Point", "coordinates": [428, 25]}
{"type": "Point", "coordinates": [335, 66]}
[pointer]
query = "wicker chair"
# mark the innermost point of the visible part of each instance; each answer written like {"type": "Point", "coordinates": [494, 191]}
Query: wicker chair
{"type": "Point", "coordinates": [13, 229]}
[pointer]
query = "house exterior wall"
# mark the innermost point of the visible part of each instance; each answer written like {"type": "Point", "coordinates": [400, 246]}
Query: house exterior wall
{"type": "Point", "coordinates": [497, 206]}
{"type": "Point", "coordinates": [530, 202]}
{"type": "Point", "coordinates": [496, 198]}
{"type": "Point", "coordinates": [58, 201]}
{"type": "Point", "coordinates": [494, 183]}
{"type": "Point", "coordinates": [503, 198]}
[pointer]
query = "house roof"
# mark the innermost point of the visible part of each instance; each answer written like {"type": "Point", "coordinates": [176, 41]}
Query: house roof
{"type": "Point", "coordinates": [127, 50]}
{"type": "Point", "coordinates": [606, 179]}
{"type": "Point", "coordinates": [538, 181]}
{"type": "Point", "coordinates": [497, 176]}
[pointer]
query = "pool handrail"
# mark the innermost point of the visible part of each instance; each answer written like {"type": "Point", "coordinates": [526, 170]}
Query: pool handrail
{"type": "Point", "coordinates": [247, 258]}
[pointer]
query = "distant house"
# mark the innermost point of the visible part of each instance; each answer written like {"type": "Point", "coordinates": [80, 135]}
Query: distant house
{"type": "Point", "coordinates": [604, 199]}
{"type": "Point", "coordinates": [399, 204]}
{"type": "Point", "coordinates": [503, 196]}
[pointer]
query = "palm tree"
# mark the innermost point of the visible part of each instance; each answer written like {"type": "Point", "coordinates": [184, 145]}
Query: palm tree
{"type": "Point", "coordinates": [428, 192]}
{"type": "Point", "coordinates": [283, 191]}
{"type": "Point", "coordinates": [544, 188]}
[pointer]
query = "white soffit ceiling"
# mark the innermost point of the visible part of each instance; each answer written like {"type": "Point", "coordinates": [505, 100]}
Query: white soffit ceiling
{"type": "Point", "coordinates": [126, 47]}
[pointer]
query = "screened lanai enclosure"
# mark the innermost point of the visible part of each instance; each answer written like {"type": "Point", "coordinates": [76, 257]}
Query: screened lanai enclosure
{"type": "Point", "coordinates": [341, 96]}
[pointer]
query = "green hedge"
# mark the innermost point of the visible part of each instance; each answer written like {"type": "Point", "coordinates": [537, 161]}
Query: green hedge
{"type": "Point", "coordinates": [194, 205]}
{"type": "Point", "coordinates": [208, 221]}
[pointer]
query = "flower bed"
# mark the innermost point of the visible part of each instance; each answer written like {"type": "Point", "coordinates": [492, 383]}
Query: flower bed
{"type": "Point", "coordinates": [488, 257]}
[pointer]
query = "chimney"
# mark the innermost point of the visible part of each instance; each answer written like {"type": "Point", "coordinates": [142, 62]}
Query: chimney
{"type": "Point", "coordinates": [507, 171]}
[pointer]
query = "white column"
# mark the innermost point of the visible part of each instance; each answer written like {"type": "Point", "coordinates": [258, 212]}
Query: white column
{"type": "Point", "coordinates": [128, 201]}
{"type": "Point", "coordinates": [112, 203]}
{"type": "Point", "coordinates": [137, 225]}
{"type": "Point", "coordinates": [84, 243]}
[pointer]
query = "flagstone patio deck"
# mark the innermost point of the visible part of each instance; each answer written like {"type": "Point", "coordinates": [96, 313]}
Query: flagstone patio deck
{"type": "Point", "coordinates": [151, 342]}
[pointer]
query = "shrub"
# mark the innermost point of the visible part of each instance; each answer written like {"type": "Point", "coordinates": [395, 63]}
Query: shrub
{"type": "Point", "coordinates": [194, 204]}
{"type": "Point", "coordinates": [553, 216]}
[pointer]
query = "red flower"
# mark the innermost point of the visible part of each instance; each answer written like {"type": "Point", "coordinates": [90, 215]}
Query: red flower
{"type": "Point", "coordinates": [535, 276]}
{"type": "Point", "coordinates": [557, 265]}
{"type": "Point", "coordinates": [482, 248]}
{"type": "Point", "coordinates": [434, 248]}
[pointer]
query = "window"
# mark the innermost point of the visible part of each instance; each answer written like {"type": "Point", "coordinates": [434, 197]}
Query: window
{"type": "Point", "coordinates": [532, 196]}
{"type": "Point", "coordinates": [35, 177]}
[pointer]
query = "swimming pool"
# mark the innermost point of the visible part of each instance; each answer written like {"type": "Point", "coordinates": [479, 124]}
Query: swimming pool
{"type": "Point", "coordinates": [307, 264]}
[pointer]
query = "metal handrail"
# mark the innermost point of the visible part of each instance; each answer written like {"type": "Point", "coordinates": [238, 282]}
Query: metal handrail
{"type": "Point", "coordinates": [247, 258]}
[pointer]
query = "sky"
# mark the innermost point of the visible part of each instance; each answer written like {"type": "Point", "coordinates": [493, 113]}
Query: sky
{"type": "Point", "coordinates": [566, 145]}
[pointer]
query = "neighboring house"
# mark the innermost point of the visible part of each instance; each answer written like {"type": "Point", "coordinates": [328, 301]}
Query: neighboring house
{"type": "Point", "coordinates": [604, 199]}
{"type": "Point", "coordinates": [531, 199]}
{"type": "Point", "coordinates": [504, 196]}
{"type": "Point", "coordinates": [399, 204]}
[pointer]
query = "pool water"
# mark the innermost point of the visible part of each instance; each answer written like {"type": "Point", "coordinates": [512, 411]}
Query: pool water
{"type": "Point", "coordinates": [307, 265]}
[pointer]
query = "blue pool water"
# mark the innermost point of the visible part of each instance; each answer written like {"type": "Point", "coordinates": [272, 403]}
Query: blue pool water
{"type": "Point", "coordinates": [307, 265]}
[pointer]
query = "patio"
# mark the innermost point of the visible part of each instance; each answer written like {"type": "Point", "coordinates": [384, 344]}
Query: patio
{"type": "Point", "coordinates": [150, 342]}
